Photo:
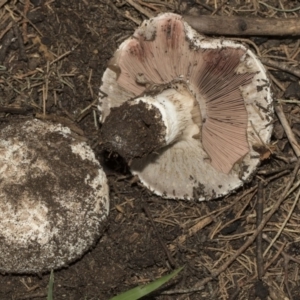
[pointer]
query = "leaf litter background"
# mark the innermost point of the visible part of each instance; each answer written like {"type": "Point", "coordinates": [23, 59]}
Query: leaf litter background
{"type": "Point", "coordinates": [52, 57]}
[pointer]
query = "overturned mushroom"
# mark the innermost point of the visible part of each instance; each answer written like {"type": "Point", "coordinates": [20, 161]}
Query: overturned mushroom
{"type": "Point", "coordinates": [53, 197]}
{"type": "Point", "coordinates": [185, 110]}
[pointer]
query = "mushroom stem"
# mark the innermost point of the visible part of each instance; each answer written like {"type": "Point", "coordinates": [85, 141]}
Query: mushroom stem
{"type": "Point", "coordinates": [148, 123]}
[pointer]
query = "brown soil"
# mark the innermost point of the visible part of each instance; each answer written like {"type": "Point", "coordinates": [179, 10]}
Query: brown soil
{"type": "Point", "coordinates": [133, 131]}
{"type": "Point", "coordinates": [51, 64]}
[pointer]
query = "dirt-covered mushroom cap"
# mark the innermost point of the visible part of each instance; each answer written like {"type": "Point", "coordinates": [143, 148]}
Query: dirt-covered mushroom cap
{"type": "Point", "coordinates": [186, 111]}
{"type": "Point", "coordinates": [53, 197]}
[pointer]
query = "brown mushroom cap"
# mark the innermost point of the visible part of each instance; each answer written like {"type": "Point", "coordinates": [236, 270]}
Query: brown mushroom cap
{"type": "Point", "coordinates": [232, 93]}
{"type": "Point", "coordinates": [53, 197]}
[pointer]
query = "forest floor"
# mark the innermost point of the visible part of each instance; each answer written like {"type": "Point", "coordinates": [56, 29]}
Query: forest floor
{"type": "Point", "coordinates": [52, 58]}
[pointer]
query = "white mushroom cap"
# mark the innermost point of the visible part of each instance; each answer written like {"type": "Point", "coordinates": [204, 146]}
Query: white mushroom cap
{"type": "Point", "coordinates": [231, 91]}
{"type": "Point", "coordinates": [53, 197]}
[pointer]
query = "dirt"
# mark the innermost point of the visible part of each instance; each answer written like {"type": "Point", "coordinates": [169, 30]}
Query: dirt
{"type": "Point", "coordinates": [133, 131]}
{"type": "Point", "coordinates": [57, 72]}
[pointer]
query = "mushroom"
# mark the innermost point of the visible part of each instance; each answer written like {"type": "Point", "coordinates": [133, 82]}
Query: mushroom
{"type": "Point", "coordinates": [186, 111]}
{"type": "Point", "coordinates": [53, 197]}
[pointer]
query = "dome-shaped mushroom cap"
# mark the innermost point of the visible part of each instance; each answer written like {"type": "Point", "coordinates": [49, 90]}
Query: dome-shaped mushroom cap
{"type": "Point", "coordinates": [53, 197]}
{"type": "Point", "coordinates": [233, 106]}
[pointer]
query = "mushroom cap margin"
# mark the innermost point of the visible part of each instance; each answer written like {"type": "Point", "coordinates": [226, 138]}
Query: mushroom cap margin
{"type": "Point", "coordinates": [52, 211]}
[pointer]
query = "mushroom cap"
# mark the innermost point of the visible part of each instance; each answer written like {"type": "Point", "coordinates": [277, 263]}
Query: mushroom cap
{"type": "Point", "coordinates": [232, 91]}
{"type": "Point", "coordinates": [53, 197]}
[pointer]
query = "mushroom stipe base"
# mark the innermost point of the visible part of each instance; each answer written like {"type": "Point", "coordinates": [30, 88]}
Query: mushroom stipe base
{"type": "Point", "coordinates": [133, 131]}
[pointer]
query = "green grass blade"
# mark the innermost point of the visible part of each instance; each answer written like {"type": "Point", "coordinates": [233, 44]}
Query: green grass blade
{"type": "Point", "coordinates": [50, 286]}
{"type": "Point", "coordinates": [141, 291]}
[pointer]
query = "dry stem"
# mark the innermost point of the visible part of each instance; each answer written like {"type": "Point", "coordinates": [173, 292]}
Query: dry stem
{"type": "Point", "coordinates": [287, 129]}
{"type": "Point", "coordinates": [241, 26]}
{"type": "Point", "coordinates": [250, 240]}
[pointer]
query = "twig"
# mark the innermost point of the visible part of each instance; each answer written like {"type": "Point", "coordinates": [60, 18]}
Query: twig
{"type": "Point", "coordinates": [287, 160]}
{"type": "Point", "coordinates": [2, 2]}
{"type": "Point", "coordinates": [149, 5]}
{"type": "Point", "coordinates": [275, 171]}
{"type": "Point", "coordinates": [191, 231]}
{"type": "Point", "coordinates": [24, 26]}
{"type": "Point", "coordinates": [281, 66]}
{"type": "Point", "coordinates": [7, 28]}
{"type": "Point", "coordinates": [277, 82]}
{"type": "Point", "coordinates": [114, 8]}
{"type": "Point", "coordinates": [85, 111]}
{"type": "Point", "coordinates": [286, 278]}
{"type": "Point", "coordinates": [283, 253]}
{"type": "Point", "coordinates": [218, 8]}
{"type": "Point", "coordinates": [274, 257]}
{"type": "Point", "coordinates": [61, 57]}
{"type": "Point", "coordinates": [89, 83]}
{"type": "Point", "coordinates": [278, 175]}
{"type": "Point", "coordinates": [295, 51]}
{"type": "Point", "coordinates": [133, 19]}
{"type": "Point", "coordinates": [27, 74]}
{"type": "Point", "coordinates": [287, 129]}
{"type": "Point", "coordinates": [266, 267]}
{"type": "Point", "coordinates": [15, 110]}
{"type": "Point", "coordinates": [259, 216]}
{"type": "Point", "coordinates": [169, 5]}
{"type": "Point", "coordinates": [32, 296]}
{"type": "Point", "coordinates": [18, 35]}
{"type": "Point", "coordinates": [5, 44]}
{"type": "Point", "coordinates": [140, 9]}
{"type": "Point", "coordinates": [236, 293]}
{"type": "Point", "coordinates": [238, 216]}
{"type": "Point", "coordinates": [284, 223]}
{"type": "Point", "coordinates": [241, 26]}
{"type": "Point", "coordinates": [167, 252]}
{"type": "Point", "coordinates": [181, 291]}
{"type": "Point", "coordinates": [205, 6]}
{"type": "Point", "coordinates": [95, 116]}
{"type": "Point", "coordinates": [27, 20]}
{"type": "Point", "coordinates": [286, 258]}
{"type": "Point", "coordinates": [279, 9]}
{"type": "Point", "coordinates": [207, 219]}
{"type": "Point", "coordinates": [252, 238]}
{"type": "Point", "coordinates": [261, 225]}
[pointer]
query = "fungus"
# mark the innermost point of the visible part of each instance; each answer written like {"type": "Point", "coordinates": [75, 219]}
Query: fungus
{"type": "Point", "coordinates": [53, 197]}
{"type": "Point", "coordinates": [185, 110]}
